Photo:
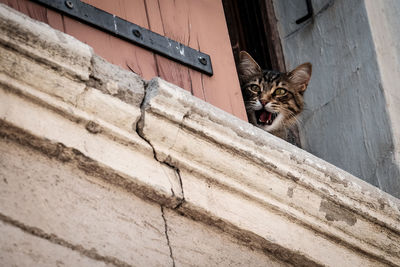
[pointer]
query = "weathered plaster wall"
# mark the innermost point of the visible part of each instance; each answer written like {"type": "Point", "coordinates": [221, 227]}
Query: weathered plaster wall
{"type": "Point", "coordinates": [350, 116]}
{"type": "Point", "coordinates": [99, 167]}
{"type": "Point", "coordinates": [52, 213]}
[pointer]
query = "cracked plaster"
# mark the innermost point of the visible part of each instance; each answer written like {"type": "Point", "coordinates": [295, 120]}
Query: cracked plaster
{"type": "Point", "coordinates": [281, 190]}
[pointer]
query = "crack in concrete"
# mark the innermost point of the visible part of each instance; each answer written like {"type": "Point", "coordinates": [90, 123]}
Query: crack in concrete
{"type": "Point", "coordinates": [167, 237]}
{"type": "Point", "coordinates": [72, 156]}
{"type": "Point", "coordinates": [90, 253]}
{"type": "Point", "coordinates": [183, 195]}
{"type": "Point", "coordinates": [167, 162]}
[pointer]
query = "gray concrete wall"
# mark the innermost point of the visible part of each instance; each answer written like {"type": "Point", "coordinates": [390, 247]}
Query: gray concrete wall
{"type": "Point", "coordinates": [347, 118]}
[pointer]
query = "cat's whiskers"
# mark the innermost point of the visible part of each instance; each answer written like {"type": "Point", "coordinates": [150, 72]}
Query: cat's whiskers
{"type": "Point", "coordinates": [295, 119]}
{"type": "Point", "coordinates": [292, 118]}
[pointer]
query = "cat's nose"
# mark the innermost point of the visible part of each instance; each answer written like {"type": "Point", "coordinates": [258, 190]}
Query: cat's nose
{"type": "Point", "coordinates": [263, 102]}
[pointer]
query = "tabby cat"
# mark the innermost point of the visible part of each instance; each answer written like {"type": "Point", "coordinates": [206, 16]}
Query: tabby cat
{"type": "Point", "coordinates": [272, 99]}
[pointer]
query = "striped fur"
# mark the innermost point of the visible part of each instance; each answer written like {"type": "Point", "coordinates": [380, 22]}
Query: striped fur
{"type": "Point", "coordinates": [273, 99]}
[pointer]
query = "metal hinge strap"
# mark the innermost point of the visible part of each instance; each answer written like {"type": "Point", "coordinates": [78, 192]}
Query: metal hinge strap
{"type": "Point", "coordinates": [132, 33]}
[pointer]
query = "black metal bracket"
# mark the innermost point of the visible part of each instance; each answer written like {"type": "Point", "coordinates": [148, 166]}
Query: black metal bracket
{"type": "Point", "coordinates": [310, 13]}
{"type": "Point", "coordinates": [132, 33]}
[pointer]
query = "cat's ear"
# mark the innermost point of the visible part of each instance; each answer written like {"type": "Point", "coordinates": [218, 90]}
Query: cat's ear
{"type": "Point", "coordinates": [300, 76]}
{"type": "Point", "coordinates": [247, 67]}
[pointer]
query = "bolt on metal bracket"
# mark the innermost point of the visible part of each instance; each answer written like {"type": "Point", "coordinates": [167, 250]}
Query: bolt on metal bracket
{"type": "Point", "coordinates": [133, 33]}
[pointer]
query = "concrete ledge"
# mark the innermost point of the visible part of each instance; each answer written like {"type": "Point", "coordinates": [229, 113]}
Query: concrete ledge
{"type": "Point", "coordinates": [176, 151]}
{"type": "Point", "coordinates": [46, 103]}
{"type": "Point", "coordinates": [39, 41]}
{"type": "Point", "coordinates": [260, 185]}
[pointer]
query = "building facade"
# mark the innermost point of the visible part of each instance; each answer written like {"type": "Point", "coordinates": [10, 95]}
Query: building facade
{"type": "Point", "coordinates": [100, 166]}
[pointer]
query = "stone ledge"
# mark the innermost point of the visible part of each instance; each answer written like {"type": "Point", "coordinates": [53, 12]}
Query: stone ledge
{"type": "Point", "coordinates": [261, 185]}
{"type": "Point", "coordinates": [270, 194]}
{"type": "Point", "coordinates": [39, 41]}
{"type": "Point", "coordinates": [43, 101]}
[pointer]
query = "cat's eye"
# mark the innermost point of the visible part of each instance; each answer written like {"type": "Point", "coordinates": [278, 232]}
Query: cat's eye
{"type": "Point", "coordinates": [255, 88]}
{"type": "Point", "coordinates": [280, 91]}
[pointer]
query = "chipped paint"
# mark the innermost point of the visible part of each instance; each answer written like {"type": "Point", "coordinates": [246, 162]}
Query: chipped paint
{"type": "Point", "coordinates": [334, 212]}
{"type": "Point", "coordinates": [115, 24]}
{"type": "Point", "coordinates": [290, 191]}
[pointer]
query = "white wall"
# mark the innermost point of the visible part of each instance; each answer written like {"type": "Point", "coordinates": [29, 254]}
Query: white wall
{"type": "Point", "coordinates": [350, 116]}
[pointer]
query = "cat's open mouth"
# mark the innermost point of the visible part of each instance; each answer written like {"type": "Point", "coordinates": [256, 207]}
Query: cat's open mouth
{"type": "Point", "coordinates": [265, 117]}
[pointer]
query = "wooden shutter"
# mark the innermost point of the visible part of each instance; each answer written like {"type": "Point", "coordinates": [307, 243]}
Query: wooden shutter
{"type": "Point", "coordinates": [199, 24]}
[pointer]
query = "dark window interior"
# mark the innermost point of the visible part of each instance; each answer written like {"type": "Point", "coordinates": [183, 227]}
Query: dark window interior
{"type": "Point", "coordinates": [252, 28]}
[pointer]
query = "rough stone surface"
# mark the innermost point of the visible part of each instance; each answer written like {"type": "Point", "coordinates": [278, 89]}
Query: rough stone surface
{"type": "Point", "coordinates": [83, 118]}
{"type": "Point", "coordinates": [352, 98]}
{"type": "Point", "coordinates": [18, 248]}
{"type": "Point", "coordinates": [39, 41]}
{"type": "Point", "coordinates": [77, 219]}
{"type": "Point", "coordinates": [245, 180]}
{"type": "Point", "coordinates": [115, 81]}
{"type": "Point", "coordinates": [196, 244]}
{"type": "Point", "coordinates": [127, 154]}
{"type": "Point", "coordinates": [29, 72]}
{"type": "Point", "coordinates": [109, 109]}
{"type": "Point", "coordinates": [80, 211]}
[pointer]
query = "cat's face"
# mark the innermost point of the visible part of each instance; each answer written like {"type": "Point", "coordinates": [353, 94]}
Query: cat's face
{"type": "Point", "coordinates": [272, 99]}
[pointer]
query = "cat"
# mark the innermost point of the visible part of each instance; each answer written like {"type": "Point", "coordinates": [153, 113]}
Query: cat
{"type": "Point", "coordinates": [273, 100]}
